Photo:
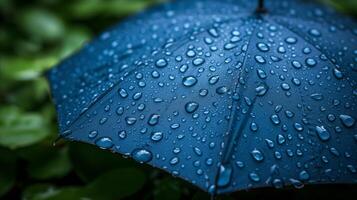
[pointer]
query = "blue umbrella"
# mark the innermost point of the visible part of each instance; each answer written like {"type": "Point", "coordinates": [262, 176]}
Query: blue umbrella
{"type": "Point", "coordinates": [225, 94]}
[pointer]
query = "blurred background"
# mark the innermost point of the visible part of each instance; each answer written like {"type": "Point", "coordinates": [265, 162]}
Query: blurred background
{"type": "Point", "coordinates": [34, 36]}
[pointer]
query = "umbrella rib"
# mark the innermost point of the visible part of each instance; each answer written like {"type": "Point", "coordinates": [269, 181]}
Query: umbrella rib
{"type": "Point", "coordinates": [233, 136]}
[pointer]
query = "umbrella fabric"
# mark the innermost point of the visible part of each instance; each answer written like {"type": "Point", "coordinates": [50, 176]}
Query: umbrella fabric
{"type": "Point", "coordinates": [219, 95]}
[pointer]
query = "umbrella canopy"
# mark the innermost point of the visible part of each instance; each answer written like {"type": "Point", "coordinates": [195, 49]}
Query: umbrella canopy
{"type": "Point", "coordinates": [220, 93]}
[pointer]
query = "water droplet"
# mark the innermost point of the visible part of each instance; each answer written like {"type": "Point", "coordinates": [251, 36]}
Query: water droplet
{"type": "Point", "coordinates": [189, 81]}
{"type": "Point", "coordinates": [174, 161]}
{"type": "Point", "coordinates": [257, 155]}
{"type": "Point", "coordinates": [323, 134]}
{"type": "Point", "coordinates": [310, 62]}
{"type": "Point", "coordinates": [260, 59]}
{"type": "Point", "coordinates": [153, 119]}
{"type": "Point", "coordinates": [291, 40]}
{"type": "Point", "coordinates": [261, 90]}
{"type": "Point", "coordinates": [156, 136]}
{"type": "Point", "coordinates": [92, 134]}
{"type": "Point", "coordinates": [254, 177]}
{"type": "Point", "coordinates": [122, 134]}
{"type": "Point", "coordinates": [213, 80]}
{"type": "Point", "coordinates": [222, 90]}
{"type": "Point", "coordinates": [304, 175]}
{"type": "Point", "coordinates": [123, 93]}
{"type": "Point", "coordinates": [262, 47]}
{"type": "Point", "coordinates": [337, 73]}
{"type": "Point", "coordinates": [191, 106]}
{"type": "Point", "coordinates": [104, 143]}
{"type": "Point", "coordinates": [275, 119]}
{"type": "Point", "coordinates": [198, 61]}
{"type": "Point", "coordinates": [142, 155]}
{"type": "Point", "coordinates": [161, 63]}
{"type": "Point", "coordinates": [224, 176]}
{"type": "Point", "coordinates": [347, 120]}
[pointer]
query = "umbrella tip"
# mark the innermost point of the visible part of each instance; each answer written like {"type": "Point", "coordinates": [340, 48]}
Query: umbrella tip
{"type": "Point", "coordinates": [261, 8]}
{"type": "Point", "coordinates": [54, 143]}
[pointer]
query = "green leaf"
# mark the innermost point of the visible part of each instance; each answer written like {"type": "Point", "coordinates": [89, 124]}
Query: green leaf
{"type": "Point", "coordinates": [18, 129]}
{"type": "Point", "coordinates": [7, 170]}
{"type": "Point", "coordinates": [57, 165]}
{"type": "Point", "coordinates": [89, 161]}
{"type": "Point", "coordinates": [48, 192]}
{"type": "Point", "coordinates": [41, 24]}
{"type": "Point", "coordinates": [116, 184]}
{"type": "Point", "coordinates": [168, 188]}
{"type": "Point", "coordinates": [91, 8]}
{"type": "Point", "coordinates": [22, 68]}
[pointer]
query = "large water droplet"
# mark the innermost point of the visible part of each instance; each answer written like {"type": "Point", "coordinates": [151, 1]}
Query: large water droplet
{"type": "Point", "coordinates": [191, 106]}
{"type": "Point", "coordinates": [104, 143]}
{"type": "Point", "coordinates": [347, 120]}
{"type": "Point", "coordinates": [323, 134]}
{"type": "Point", "coordinates": [160, 63]}
{"type": "Point", "coordinates": [189, 81]}
{"type": "Point", "coordinates": [257, 155]}
{"type": "Point", "coordinates": [142, 155]}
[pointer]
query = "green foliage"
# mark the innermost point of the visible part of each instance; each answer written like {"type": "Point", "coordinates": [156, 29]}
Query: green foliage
{"type": "Point", "coordinates": [34, 36]}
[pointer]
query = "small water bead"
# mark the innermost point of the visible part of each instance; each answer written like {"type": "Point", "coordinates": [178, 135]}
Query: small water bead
{"type": "Point", "coordinates": [296, 64]}
{"type": "Point", "coordinates": [229, 46]}
{"type": "Point", "coordinates": [153, 119]}
{"type": "Point", "coordinates": [257, 155]}
{"type": "Point", "coordinates": [296, 183]}
{"type": "Point", "coordinates": [130, 120]}
{"type": "Point", "coordinates": [310, 62]}
{"type": "Point", "coordinates": [189, 81]}
{"type": "Point", "coordinates": [156, 136]}
{"type": "Point", "coordinates": [285, 86]}
{"type": "Point", "coordinates": [260, 59]}
{"type": "Point", "coordinates": [253, 127]}
{"type": "Point", "coordinates": [197, 151]}
{"type": "Point", "coordinates": [280, 139]}
{"type": "Point", "coordinates": [142, 155]}
{"type": "Point", "coordinates": [317, 96]}
{"type": "Point", "coordinates": [298, 127]}
{"type": "Point", "coordinates": [190, 53]}
{"type": "Point", "coordinates": [275, 119]}
{"type": "Point", "coordinates": [161, 63]}
{"type": "Point", "coordinates": [213, 80]}
{"type": "Point", "coordinates": [198, 61]}
{"type": "Point", "coordinates": [174, 161]}
{"type": "Point", "coordinates": [347, 120]}
{"type": "Point", "coordinates": [262, 47]}
{"type": "Point", "coordinates": [104, 143]}
{"type": "Point", "coordinates": [203, 92]}
{"type": "Point", "coordinates": [175, 126]}
{"type": "Point", "coordinates": [213, 32]}
{"type": "Point", "coordinates": [261, 74]}
{"type": "Point", "coordinates": [261, 90]}
{"type": "Point", "coordinates": [222, 90]}
{"type": "Point", "coordinates": [323, 134]}
{"type": "Point", "coordinates": [137, 96]}
{"type": "Point", "coordinates": [122, 134]}
{"type": "Point", "coordinates": [296, 81]}
{"type": "Point", "coordinates": [123, 93]}
{"type": "Point", "coordinates": [191, 106]}
{"type": "Point", "coordinates": [92, 134]}
{"type": "Point", "coordinates": [314, 32]}
{"type": "Point", "coordinates": [254, 177]}
{"type": "Point", "coordinates": [291, 40]}
{"type": "Point", "coordinates": [183, 68]}
{"type": "Point", "coordinates": [155, 74]}
{"type": "Point", "coordinates": [337, 73]}
{"type": "Point", "coordinates": [306, 50]}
